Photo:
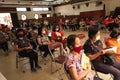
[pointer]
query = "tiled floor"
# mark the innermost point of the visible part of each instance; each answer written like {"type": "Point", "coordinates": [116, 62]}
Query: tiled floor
{"type": "Point", "coordinates": [8, 66]}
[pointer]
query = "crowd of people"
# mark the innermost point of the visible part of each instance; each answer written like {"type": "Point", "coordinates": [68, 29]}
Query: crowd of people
{"type": "Point", "coordinates": [29, 36]}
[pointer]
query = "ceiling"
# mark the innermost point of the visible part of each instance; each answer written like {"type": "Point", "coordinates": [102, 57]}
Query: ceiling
{"type": "Point", "coordinates": [38, 2]}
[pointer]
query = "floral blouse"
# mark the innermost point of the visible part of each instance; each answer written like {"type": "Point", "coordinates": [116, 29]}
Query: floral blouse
{"type": "Point", "coordinates": [72, 61]}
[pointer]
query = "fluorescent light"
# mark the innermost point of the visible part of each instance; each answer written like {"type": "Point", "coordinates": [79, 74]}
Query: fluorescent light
{"type": "Point", "coordinates": [37, 9]}
{"type": "Point", "coordinates": [40, 9]}
{"type": "Point", "coordinates": [21, 9]}
{"type": "Point", "coordinates": [45, 9]}
{"type": "Point", "coordinates": [48, 15]}
{"type": "Point", "coordinates": [49, 0]}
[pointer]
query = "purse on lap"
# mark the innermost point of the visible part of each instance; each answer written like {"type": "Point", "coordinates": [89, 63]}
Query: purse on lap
{"type": "Point", "coordinates": [106, 59]}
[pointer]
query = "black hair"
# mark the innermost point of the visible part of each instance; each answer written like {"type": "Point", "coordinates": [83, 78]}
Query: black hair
{"type": "Point", "coordinates": [114, 33]}
{"type": "Point", "coordinates": [40, 31]}
{"type": "Point", "coordinates": [92, 32]}
{"type": "Point", "coordinates": [111, 26]}
{"type": "Point", "coordinates": [34, 28]}
{"type": "Point", "coordinates": [19, 30]}
{"type": "Point", "coordinates": [71, 41]}
{"type": "Point", "coordinates": [54, 27]}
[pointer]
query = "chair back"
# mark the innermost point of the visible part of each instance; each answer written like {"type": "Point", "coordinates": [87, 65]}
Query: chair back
{"type": "Point", "coordinates": [67, 72]}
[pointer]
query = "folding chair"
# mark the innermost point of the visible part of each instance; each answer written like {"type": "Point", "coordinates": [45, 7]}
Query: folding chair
{"type": "Point", "coordinates": [40, 53]}
{"type": "Point", "coordinates": [66, 72]}
{"type": "Point", "coordinates": [81, 36]}
{"type": "Point", "coordinates": [97, 75]}
{"type": "Point", "coordinates": [60, 59]}
{"type": "Point", "coordinates": [21, 61]}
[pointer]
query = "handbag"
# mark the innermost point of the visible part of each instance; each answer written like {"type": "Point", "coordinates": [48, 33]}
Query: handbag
{"type": "Point", "coordinates": [106, 59]}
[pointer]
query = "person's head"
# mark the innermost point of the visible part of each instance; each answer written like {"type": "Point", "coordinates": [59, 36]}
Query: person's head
{"type": "Point", "coordinates": [42, 31]}
{"type": "Point", "coordinates": [73, 43]}
{"type": "Point", "coordinates": [115, 34]}
{"type": "Point", "coordinates": [106, 17]}
{"type": "Point", "coordinates": [94, 34]}
{"type": "Point", "coordinates": [20, 33]}
{"type": "Point", "coordinates": [35, 29]}
{"type": "Point", "coordinates": [56, 28]}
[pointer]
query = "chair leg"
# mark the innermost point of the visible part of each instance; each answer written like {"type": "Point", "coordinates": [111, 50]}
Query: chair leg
{"type": "Point", "coordinates": [96, 74]}
{"type": "Point", "coordinates": [16, 62]}
{"type": "Point", "coordinates": [58, 70]}
{"type": "Point", "coordinates": [40, 54]}
{"type": "Point", "coordinates": [111, 77]}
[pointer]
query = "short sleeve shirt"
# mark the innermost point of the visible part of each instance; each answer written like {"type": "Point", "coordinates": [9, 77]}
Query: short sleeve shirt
{"type": "Point", "coordinates": [22, 43]}
{"type": "Point", "coordinates": [44, 39]}
{"type": "Point", "coordinates": [72, 61]}
{"type": "Point", "coordinates": [92, 48]}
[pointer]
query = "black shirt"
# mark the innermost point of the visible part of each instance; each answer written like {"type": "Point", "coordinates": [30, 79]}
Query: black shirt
{"type": "Point", "coordinates": [22, 43]}
{"type": "Point", "coordinates": [92, 48]}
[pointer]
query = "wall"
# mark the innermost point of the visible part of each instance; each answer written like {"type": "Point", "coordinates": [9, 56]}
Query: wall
{"type": "Point", "coordinates": [111, 5]}
{"type": "Point", "coordinates": [68, 9]}
{"type": "Point", "coordinates": [30, 14]}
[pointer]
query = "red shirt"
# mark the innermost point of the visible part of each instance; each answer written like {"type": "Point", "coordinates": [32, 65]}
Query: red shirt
{"type": "Point", "coordinates": [54, 35]}
{"type": "Point", "coordinates": [61, 23]}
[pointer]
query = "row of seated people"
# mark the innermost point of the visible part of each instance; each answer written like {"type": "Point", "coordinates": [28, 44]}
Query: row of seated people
{"type": "Point", "coordinates": [27, 41]}
{"type": "Point", "coordinates": [93, 47]}
{"type": "Point", "coordinates": [94, 50]}
{"type": "Point", "coordinates": [3, 42]}
{"type": "Point", "coordinates": [43, 38]}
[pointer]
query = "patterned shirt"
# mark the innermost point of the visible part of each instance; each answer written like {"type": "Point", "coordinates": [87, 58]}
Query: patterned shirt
{"type": "Point", "coordinates": [44, 39]}
{"type": "Point", "coordinates": [72, 61]}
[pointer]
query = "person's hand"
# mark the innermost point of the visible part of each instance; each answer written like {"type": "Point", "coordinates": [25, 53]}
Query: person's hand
{"type": "Point", "coordinates": [102, 52]}
{"type": "Point", "coordinates": [88, 67]}
{"type": "Point", "coordinates": [58, 34]}
{"type": "Point", "coordinates": [59, 38]}
{"type": "Point", "coordinates": [26, 48]}
{"type": "Point", "coordinates": [45, 44]}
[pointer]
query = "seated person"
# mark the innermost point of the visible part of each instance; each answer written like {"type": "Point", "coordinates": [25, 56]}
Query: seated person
{"type": "Point", "coordinates": [58, 35]}
{"type": "Point", "coordinates": [93, 48]}
{"type": "Point", "coordinates": [24, 48]}
{"type": "Point", "coordinates": [73, 60]}
{"type": "Point", "coordinates": [3, 42]}
{"type": "Point", "coordinates": [114, 41]}
{"type": "Point", "coordinates": [32, 36]}
{"type": "Point", "coordinates": [44, 42]}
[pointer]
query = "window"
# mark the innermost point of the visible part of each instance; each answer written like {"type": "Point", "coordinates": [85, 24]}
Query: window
{"type": "Point", "coordinates": [45, 9]}
{"type": "Point", "coordinates": [21, 9]}
{"type": "Point", "coordinates": [40, 9]}
{"type": "Point", "coordinates": [37, 9]}
{"type": "Point", "coordinates": [49, 0]}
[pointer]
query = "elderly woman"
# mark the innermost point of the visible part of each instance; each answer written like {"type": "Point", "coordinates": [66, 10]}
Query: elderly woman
{"type": "Point", "coordinates": [94, 49]}
{"type": "Point", "coordinates": [74, 59]}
